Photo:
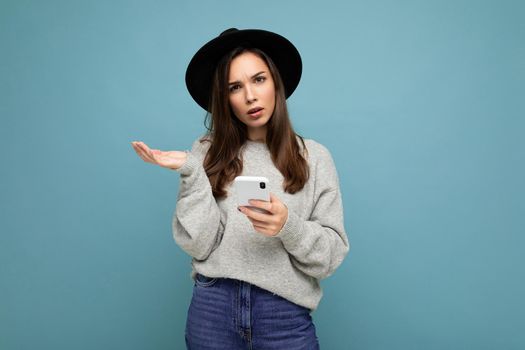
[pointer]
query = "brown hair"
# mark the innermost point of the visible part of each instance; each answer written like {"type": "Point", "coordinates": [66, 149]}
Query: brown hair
{"type": "Point", "coordinates": [228, 134]}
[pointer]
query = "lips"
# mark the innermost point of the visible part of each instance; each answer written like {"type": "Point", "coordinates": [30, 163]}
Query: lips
{"type": "Point", "coordinates": [255, 110]}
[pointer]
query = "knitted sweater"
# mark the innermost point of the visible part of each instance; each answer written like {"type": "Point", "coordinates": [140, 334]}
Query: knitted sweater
{"type": "Point", "coordinates": [223, 243]}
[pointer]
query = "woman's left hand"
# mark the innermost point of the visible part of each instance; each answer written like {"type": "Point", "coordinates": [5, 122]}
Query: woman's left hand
{"type": "Point", "coordinates": [271, 223]}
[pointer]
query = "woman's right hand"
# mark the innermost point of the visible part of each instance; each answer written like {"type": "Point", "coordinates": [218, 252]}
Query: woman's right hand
{"type": "Point", "coordinates": [170, 159]}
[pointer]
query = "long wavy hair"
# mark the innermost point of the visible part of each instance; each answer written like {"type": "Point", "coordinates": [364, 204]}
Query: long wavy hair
{"type": "Point", "coordinates": [228, 134]}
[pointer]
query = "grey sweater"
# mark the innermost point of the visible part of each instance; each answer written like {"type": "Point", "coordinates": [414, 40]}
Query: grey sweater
{"type": "Point", "coordinates": [223, 243]}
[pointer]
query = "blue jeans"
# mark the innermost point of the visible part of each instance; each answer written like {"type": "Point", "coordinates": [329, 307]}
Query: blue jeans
{"type": "Point", "coordinates": [231, 314]}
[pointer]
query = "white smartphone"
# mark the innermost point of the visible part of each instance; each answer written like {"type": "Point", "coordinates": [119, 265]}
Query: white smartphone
{"type": "Point", "coordinates": [251, 187]}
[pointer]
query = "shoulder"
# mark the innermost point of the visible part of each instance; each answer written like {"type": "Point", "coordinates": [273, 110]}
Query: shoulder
{"type": "Point", "coordinates": [322, 165]}
{"type": "Point", "coordinates": [200, 146]}
{"type": "Point", "coordinates": [201, 143]}
{"type": "Point", "coordinates": [316, 151]}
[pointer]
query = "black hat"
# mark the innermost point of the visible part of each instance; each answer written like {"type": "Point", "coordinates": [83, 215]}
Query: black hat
{"type": "Point", "coordinates": [283, 53]}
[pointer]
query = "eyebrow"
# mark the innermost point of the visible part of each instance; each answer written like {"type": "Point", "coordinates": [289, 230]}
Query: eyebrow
{"type": "Point", "coordinates": [253, 76]}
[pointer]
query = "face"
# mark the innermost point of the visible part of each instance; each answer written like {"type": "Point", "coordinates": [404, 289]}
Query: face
{"type": "Point", "coordinates": [251, 93]}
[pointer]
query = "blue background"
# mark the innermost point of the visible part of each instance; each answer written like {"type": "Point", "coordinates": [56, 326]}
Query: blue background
{"type": "Point", "coordinates": [420, 102]}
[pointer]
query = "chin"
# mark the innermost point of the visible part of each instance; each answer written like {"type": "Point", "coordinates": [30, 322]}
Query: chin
{"type": "Point", "coordinates": [258, 122]}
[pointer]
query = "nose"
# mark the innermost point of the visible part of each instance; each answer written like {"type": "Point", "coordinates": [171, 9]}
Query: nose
{"type": "Point", "coordinates": [249, 94]}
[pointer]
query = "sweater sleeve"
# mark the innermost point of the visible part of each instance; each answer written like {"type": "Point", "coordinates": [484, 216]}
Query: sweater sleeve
{"type": "Point", "coordinates": [317, 246]}
{"type": "Point", "coordinates": [197, 225]}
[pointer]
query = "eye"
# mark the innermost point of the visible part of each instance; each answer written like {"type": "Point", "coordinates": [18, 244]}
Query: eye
{"type": "Point", "coordinates": [260, 79]}
{"type": "Point", "coordinates": [235, 87]}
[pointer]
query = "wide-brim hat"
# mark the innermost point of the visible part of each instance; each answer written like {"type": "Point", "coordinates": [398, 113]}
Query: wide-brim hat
{"type": "Point", "coordinates": [200, 71]}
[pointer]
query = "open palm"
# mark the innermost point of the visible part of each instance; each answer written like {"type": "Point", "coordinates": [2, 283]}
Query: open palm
{"type": "Point", "coordinates": [167, 159]}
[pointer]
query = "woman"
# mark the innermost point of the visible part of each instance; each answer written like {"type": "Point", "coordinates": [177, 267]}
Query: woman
{"type": "Point", "coordinates": [256, 274]}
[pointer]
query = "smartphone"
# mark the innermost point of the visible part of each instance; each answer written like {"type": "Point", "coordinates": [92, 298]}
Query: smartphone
{"type": "Point", "coordinates": [251, 187]}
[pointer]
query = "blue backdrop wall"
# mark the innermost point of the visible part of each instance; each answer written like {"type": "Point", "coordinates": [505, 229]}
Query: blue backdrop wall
{"type": "Point", "coordinates": [420, 102]}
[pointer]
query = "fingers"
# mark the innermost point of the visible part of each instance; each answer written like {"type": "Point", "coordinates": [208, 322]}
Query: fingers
{"type": "Point", "coordinates": [267, 228]}
{"type": "Point", "coordinates": [144, 152]}
{"type": "Point", "coordinates": [261, 226]}
{"type": "Point", "coordinates": [268, 224]}
{"type": "Point", "coordinates": [139, 150]}
{"type": "Point", "coordinates": [261, 204]}
{"type": "Point", "coordinates": [257, 222]}
{"type": "Point", "coordinates": [255, 215]}
{"type": "Point", "coordinates": [268, 206]}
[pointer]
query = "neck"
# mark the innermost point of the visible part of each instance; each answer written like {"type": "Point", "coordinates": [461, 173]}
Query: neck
{"type": "Point", "coordinates": [257, 135]}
